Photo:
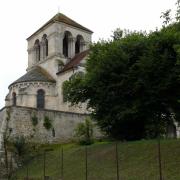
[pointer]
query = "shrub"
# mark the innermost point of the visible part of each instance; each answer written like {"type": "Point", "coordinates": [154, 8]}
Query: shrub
{"type": "Point", "coordinates": [24, 151]}
{"type": "Point", "coordinates": [84, 132]}
{"type": "Point", "coordinates": [34, 120]}
{"type": "Point", "coordinates": [19, 145]}
{"type": "Point", "coordinates": [47, 123]}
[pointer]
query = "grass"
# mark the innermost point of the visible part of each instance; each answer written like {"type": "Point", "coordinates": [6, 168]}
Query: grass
{"type": "Point", "coordinates": [138, 160]}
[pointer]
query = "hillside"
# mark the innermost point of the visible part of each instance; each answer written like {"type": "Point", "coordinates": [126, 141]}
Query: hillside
{"type": "Point", "coordinates": [137, 161]}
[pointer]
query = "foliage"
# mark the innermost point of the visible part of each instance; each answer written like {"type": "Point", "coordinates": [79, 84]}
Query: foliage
{"type": "Point", "coordinates": [75, 80]}
{"type": "Point", "coordinates": [166, 17]}
{"type": "Point", "coordinates": [178, 11]}
{"type": "Point", "coordinates": [132, 83]}
{"type": "Point", "coordinates": [34, 120]}
{"type": "Point", "coordinates": [117, 34]}
{"type": "Point", "coordinates": [19, 145]}
{"type": "Point", "coordinates": [24, 151]}
{"type": "Point", "coordinates": [47, 123]}
{"type": "Point", "coordinates": [84, 132]}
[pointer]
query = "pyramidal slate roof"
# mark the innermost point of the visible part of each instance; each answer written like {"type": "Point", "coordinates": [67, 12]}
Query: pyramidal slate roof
{"type": "Point", "coordinates": [36, 74]}
{"type": "Point", "coordinates": [59, 17]}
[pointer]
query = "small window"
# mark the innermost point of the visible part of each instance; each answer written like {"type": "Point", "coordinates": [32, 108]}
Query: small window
{"type": "Point", "coordinates": [67, 44]}
{"type": "Point", "coordinates": [45, 45]}
{"type": "Point", "coordinates": [37, 50]}
{"type": "Point", "coordinates": [79, 44]}
{"type": "Point", "coordinates": [14, 99]}
{"type": "Point", "coordinates": [40, 99]}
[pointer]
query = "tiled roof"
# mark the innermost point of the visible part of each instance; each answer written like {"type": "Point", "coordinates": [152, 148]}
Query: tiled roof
{"type": "Point", "coordinates": [36, 74]}
{"type": "Point", "coordinates": [64, 19]}
{"type": "Point", "coordinates": [74, 61]}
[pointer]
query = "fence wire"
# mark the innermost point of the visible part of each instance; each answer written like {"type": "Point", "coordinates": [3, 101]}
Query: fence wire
{"type": "Point", "coordinates": [109, 161]}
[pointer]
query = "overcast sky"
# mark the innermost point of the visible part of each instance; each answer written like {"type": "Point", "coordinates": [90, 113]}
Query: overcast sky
{"type": "Point", "coordinates": [20, 18]}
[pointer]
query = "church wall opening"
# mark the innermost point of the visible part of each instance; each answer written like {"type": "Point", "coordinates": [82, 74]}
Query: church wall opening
{"type": "Point", "coordinates": [67, 44]}
{"type": "Point", "coordinates": [37, 50]}
{"type": "Point", "coordinates": [14, 98]}
{"type": "Point", "coordinates": [40, 99]}
{"type": "Point", "coordinates": [79, 44]}
{"type": "Point", "coordinates": [45, 46]}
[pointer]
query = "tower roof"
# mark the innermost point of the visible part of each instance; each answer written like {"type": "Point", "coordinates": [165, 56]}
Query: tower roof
{"type": "Point", "coordinates": [36, 74]}
{"type": "Point", "coordinates": [59, 17]}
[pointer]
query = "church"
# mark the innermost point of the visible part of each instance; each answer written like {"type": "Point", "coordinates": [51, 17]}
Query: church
{"type": "Point", "coordinates": [56, 52]}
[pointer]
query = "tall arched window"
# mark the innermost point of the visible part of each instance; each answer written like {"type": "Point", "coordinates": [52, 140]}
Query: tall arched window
{"type": "Point", "coordinates": [14, 99]}
{"type": "Point", "coordinates": [79, 44]}
{"type": "Point", "coordinates": [67, 43]}
{"type": "Point", "coordinates": [37, 50]}
{"type": "Point", "coordinates": [45, 46]}
{"type": "Point", "coordinates": [40, 99]}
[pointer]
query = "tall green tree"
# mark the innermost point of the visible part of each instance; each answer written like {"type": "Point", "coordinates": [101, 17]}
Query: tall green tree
{"type": "Point", "coordinates": [132, 85]}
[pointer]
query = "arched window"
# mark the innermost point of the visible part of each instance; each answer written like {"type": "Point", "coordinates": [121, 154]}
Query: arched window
{"type": "Point", "coordinates": [37, 50]}
{"type": "Point", "coordinates": [14, 99]}
{"type": "Point", "coordinates": [79, 44]}
{"type": "Point", "coordinates": [45, 46]}
{"type": "Point", "coordinates": [67, 43]}
{"type": "Point", "coordinates": [40, 99]}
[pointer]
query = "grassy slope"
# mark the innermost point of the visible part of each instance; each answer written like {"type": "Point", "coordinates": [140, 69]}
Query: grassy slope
{"type": "Point", "coordinates": [137, 161]}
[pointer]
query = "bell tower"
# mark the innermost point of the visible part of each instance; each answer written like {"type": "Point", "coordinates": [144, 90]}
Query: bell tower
{"type": "Point", "coordinates": [60, 39]}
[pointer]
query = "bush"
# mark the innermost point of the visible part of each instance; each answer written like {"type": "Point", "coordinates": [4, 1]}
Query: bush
{"type": "Point", "coordinates": [19, 145]}
{"type": "Point", "coordinates": [34, 120]}
{"type": "Point", "coordinates": [47, 123]}
{"type": "Point", "coordinates": [24, 151]}
{"type": "Point", "coordinates": [84, 132]}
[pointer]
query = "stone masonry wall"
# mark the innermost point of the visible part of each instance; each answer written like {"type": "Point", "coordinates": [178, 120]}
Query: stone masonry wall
{"type": "Point", "coordinates": [63, 124]}
{"type": "Point", "coordinates": [2, 129]}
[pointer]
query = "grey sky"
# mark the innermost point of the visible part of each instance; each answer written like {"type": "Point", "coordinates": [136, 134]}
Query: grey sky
{"type": "Point", "coordinates": [20, 18]}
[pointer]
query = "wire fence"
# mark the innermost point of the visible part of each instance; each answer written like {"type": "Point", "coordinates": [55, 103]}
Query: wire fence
{"type": "Point", "coordinates": [110, 161]}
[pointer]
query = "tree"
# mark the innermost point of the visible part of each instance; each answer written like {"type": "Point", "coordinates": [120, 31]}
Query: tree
{"type": "Point", "coordinates": [84, 132]}
{"type": "Point", "coordinates": [178, 11]}
{"type": "Point", "coordinates": [132, 84]}
{"type": "Point", "coordinates": [166, 17]}
{"type": "Point", "coordinates": [117, 34]}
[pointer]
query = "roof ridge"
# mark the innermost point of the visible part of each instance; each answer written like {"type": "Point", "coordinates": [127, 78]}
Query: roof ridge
{"type": "Point", "coordinates": [60, 17]}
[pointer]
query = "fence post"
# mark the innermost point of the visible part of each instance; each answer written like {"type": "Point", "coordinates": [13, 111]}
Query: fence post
{"type": "Point", "coordinates": [86, 163]}
{"type": "Point", "coordinates": [159, 159]}
{"type": "Point", "coordinates": [62, 163]}
{"type": "Point", "coordinates": [27, 173]}
{"type": "Point", "coordinates": [44, 164]}
{"type": "Point", "coordinates": [117, 161]}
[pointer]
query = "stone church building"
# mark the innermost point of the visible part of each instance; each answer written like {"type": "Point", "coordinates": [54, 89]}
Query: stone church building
{"type": "Point", "coordinates": [56, 52]}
